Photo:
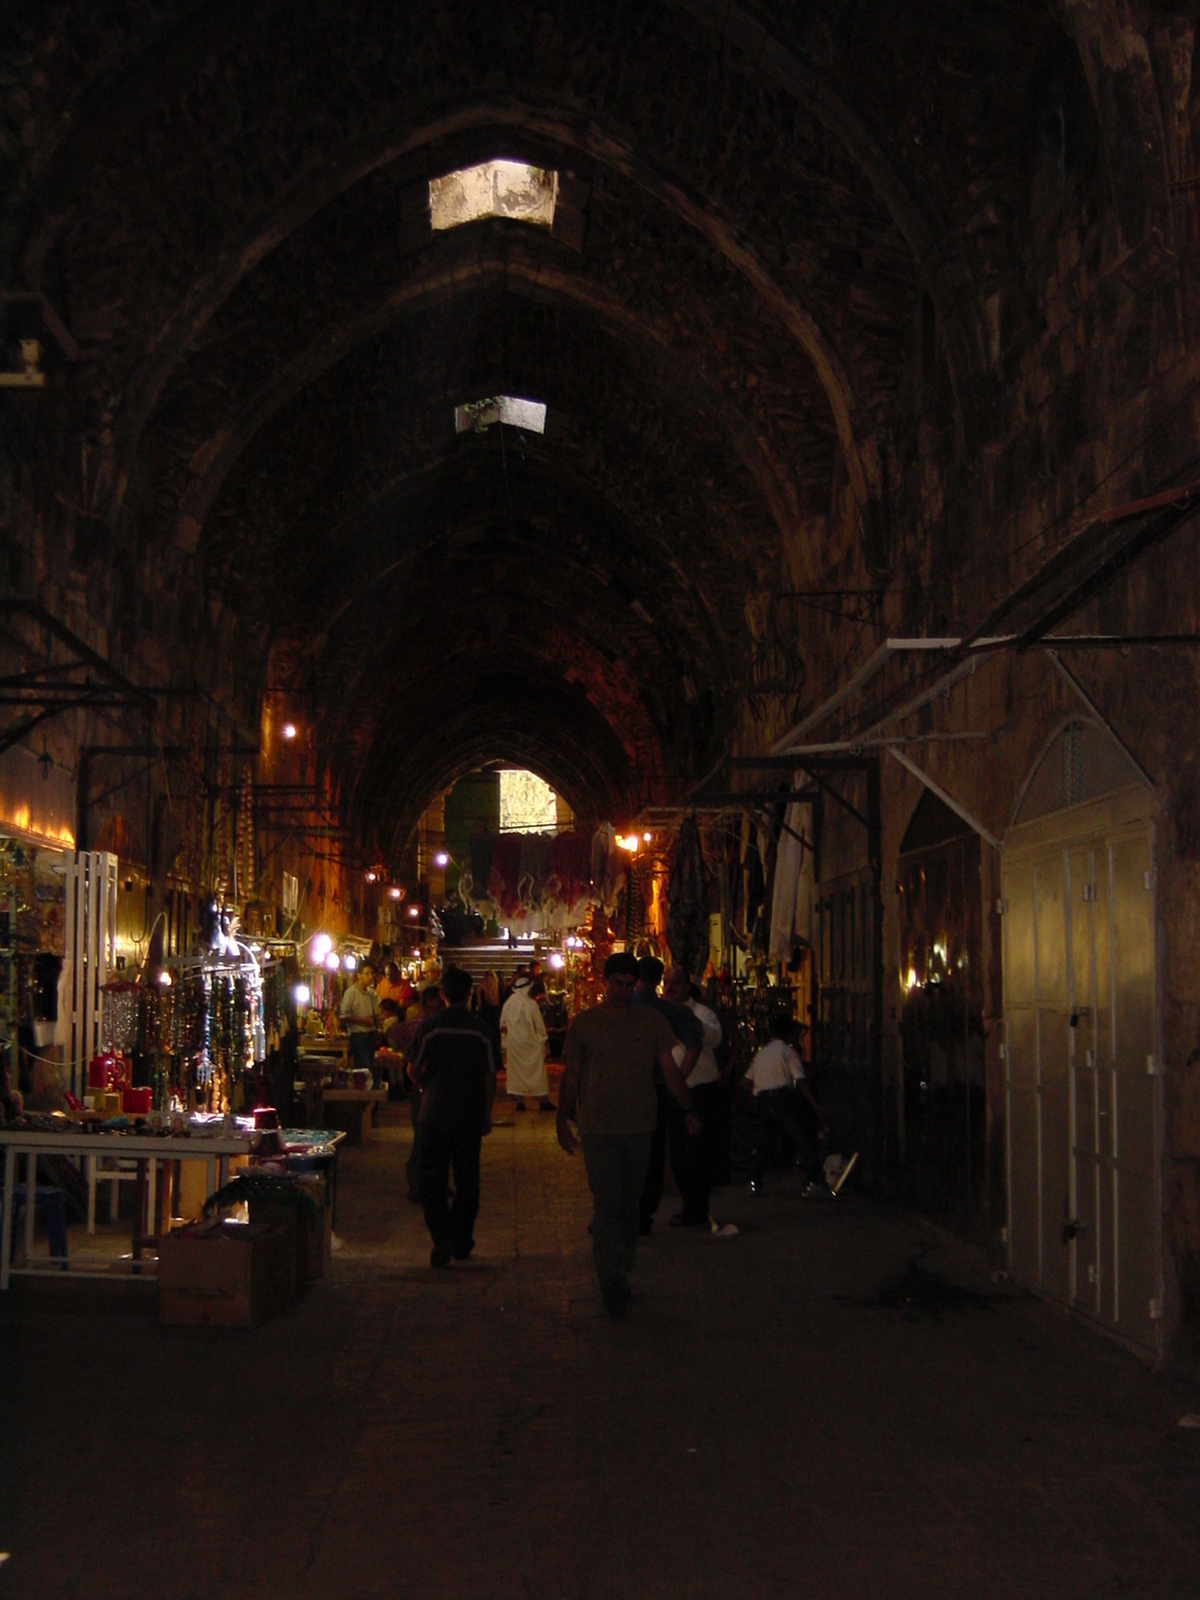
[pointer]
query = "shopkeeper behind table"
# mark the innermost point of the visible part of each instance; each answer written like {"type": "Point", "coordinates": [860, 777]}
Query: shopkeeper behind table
{"type": "Point", "coordinates": [359, 1017]}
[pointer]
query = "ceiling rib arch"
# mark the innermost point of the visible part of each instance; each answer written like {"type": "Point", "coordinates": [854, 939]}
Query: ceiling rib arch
{"type": "Point", "coordinates": [184, 326]}
{"type": "Point", "coordinates": [217, 457]}
{"type": "Point", "coordinates": [568, 743]}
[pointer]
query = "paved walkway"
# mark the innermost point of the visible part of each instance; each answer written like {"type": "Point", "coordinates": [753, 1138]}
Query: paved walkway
{"type": "Point", "coordinates": [836, 1403]}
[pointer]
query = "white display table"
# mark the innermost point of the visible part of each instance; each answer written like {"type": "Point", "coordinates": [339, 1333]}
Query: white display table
{"type": "Point", "coordinates": [147, 1149]}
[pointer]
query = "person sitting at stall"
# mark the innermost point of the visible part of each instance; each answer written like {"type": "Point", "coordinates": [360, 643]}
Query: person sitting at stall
{"type": "Point", "coordinates": [359, 1015]}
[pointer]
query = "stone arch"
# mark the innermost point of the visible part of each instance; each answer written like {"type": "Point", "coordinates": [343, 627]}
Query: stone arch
{"type": "Point", "coordinates": [1120, 75]}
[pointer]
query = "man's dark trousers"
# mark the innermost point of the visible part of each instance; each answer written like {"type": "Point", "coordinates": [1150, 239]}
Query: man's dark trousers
{"type": "Point", "coordinates": [693, 1155]}
{"type": "Point", "coordinates": [786, 1111]}
{"type": "Point", "coordinates": [362, 1053]}
{"type": "Point", "coordinates": [450, 1226]}
{"type": "Point", "coordinates": [652, 1186]}
{"type": "Point", "coordinates": [616, 1166]}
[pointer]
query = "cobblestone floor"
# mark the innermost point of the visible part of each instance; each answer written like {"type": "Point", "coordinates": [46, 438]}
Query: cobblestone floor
{"type": "Point", "coordinates": [837, 1402]}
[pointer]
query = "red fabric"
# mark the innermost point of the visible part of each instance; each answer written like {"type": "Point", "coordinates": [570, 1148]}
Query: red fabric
{"type": "Point", "coordinates": [571, 864]}
{"type": "Point", "coordinates": [506, 872]}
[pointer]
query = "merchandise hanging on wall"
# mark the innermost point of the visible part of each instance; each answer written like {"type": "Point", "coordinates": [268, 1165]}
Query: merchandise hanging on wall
{"type": "Point", "coordinates": [687, 900]}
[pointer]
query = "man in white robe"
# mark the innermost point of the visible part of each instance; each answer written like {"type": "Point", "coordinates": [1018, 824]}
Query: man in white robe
{"type": "Point", "coordinates": [523, 1041]}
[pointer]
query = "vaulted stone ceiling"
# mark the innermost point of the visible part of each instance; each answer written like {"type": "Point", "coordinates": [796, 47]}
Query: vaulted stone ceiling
{"type": "Point", "coordinates": [224, 200]}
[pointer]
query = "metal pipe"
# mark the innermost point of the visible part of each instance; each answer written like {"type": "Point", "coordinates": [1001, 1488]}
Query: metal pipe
{"type": "Point", "coordinates": [857, 680]}
{"type": "Point", "coordinates": [946, 799]}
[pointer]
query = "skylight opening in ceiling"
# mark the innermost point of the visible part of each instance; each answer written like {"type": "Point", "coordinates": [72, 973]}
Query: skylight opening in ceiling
{"type": "Point", "coordinates": [495, 189]}
{"type": "Point", "coordinates": [527, 803]}
{"type": "Point", "coordinates": [479, 415]}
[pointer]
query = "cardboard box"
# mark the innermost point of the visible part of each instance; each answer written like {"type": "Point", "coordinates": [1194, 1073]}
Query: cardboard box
{"type": "Point", "coordinates": [226, 1274]}
{"type": "Point", "coordinates": [314, 1231]}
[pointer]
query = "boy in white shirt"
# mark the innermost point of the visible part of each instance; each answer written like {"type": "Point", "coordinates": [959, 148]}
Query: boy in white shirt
{"type": "Point", "coordinates": [783, 1102]}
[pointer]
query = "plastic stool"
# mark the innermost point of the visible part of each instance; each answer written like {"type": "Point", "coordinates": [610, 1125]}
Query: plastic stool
{"type": "Point", "coordinates": [55, 1210]}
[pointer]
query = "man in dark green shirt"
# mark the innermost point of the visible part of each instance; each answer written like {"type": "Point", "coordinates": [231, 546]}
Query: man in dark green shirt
{"type": "Point", "coordinates": [608, 1088]}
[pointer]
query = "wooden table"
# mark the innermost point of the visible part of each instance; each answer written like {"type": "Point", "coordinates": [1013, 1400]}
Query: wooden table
{"type": "Point", "coordinates": [312, 1067]}
{"type": "Point", "coordinates": [360, 1104]}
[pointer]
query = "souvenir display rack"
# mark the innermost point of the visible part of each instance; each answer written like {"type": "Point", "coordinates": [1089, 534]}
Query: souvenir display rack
{"type": "Point", "coordinates": [200, 1029]}
{"type": "Point", "coordinates": [215, 1026]}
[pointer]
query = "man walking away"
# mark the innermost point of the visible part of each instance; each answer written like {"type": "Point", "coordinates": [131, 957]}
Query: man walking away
{"type": "Point", "coordinates": [693, 1160]}
{"type": "Point", "coordinates": [611, 1054]}
{"type": "Point", "coordinates": [690, 1035]}
{"type": "Point", "coordinates": [410, 1033]}
{"type": "Point", "coordinates": [454, 1064]}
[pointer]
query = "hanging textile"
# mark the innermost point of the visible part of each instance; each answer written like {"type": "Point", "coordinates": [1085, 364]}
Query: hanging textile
{"type": "Point", "coordinates": [535, 864]}
{"type": "Point", "coordinates": [768, 844]}
{"type": "Point", "coordinates": [608, 868]}
{"type": "Point", "coordinates": [505, 872]}
{"type": "Point", "coordinates": [480, 847]}
{"type": "Point", "coordinates": [635, 919]}
{"type": "Point", "coordinates": [687, 901]}
{"type": "Point", "coordinates": [806, 885]}
{"type": "Point", "coordinates": [756, 884]}
{"type": "Point", "coordinates": [788, 863]}
{"type": "Point", "coordinates": [731, 875]}
{"type": "Point", "coordinates": [571, 864]}
{"type": "Point", "coordinates": [604, 842]}
{"type": "Point", "coordinates": [656, 911]}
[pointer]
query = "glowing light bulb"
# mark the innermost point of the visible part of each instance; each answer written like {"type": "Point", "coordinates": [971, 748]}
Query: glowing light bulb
{"type": "Point", "coordinates": [301, 994]}
{"type": "Point", "coordinates": [289, 730]}
{"type": "Point", "coordinates": [396, 892]}
{"type": "Point", "coordinates": [321, 946]}
{"type": "Point", "coordinates": [441, 859]}
{"type": "Point", "coordinates": [332, 961]}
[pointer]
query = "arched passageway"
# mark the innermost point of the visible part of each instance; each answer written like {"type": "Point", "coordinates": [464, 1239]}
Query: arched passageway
{"type": "Point", "coordinates": [801, 430]}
